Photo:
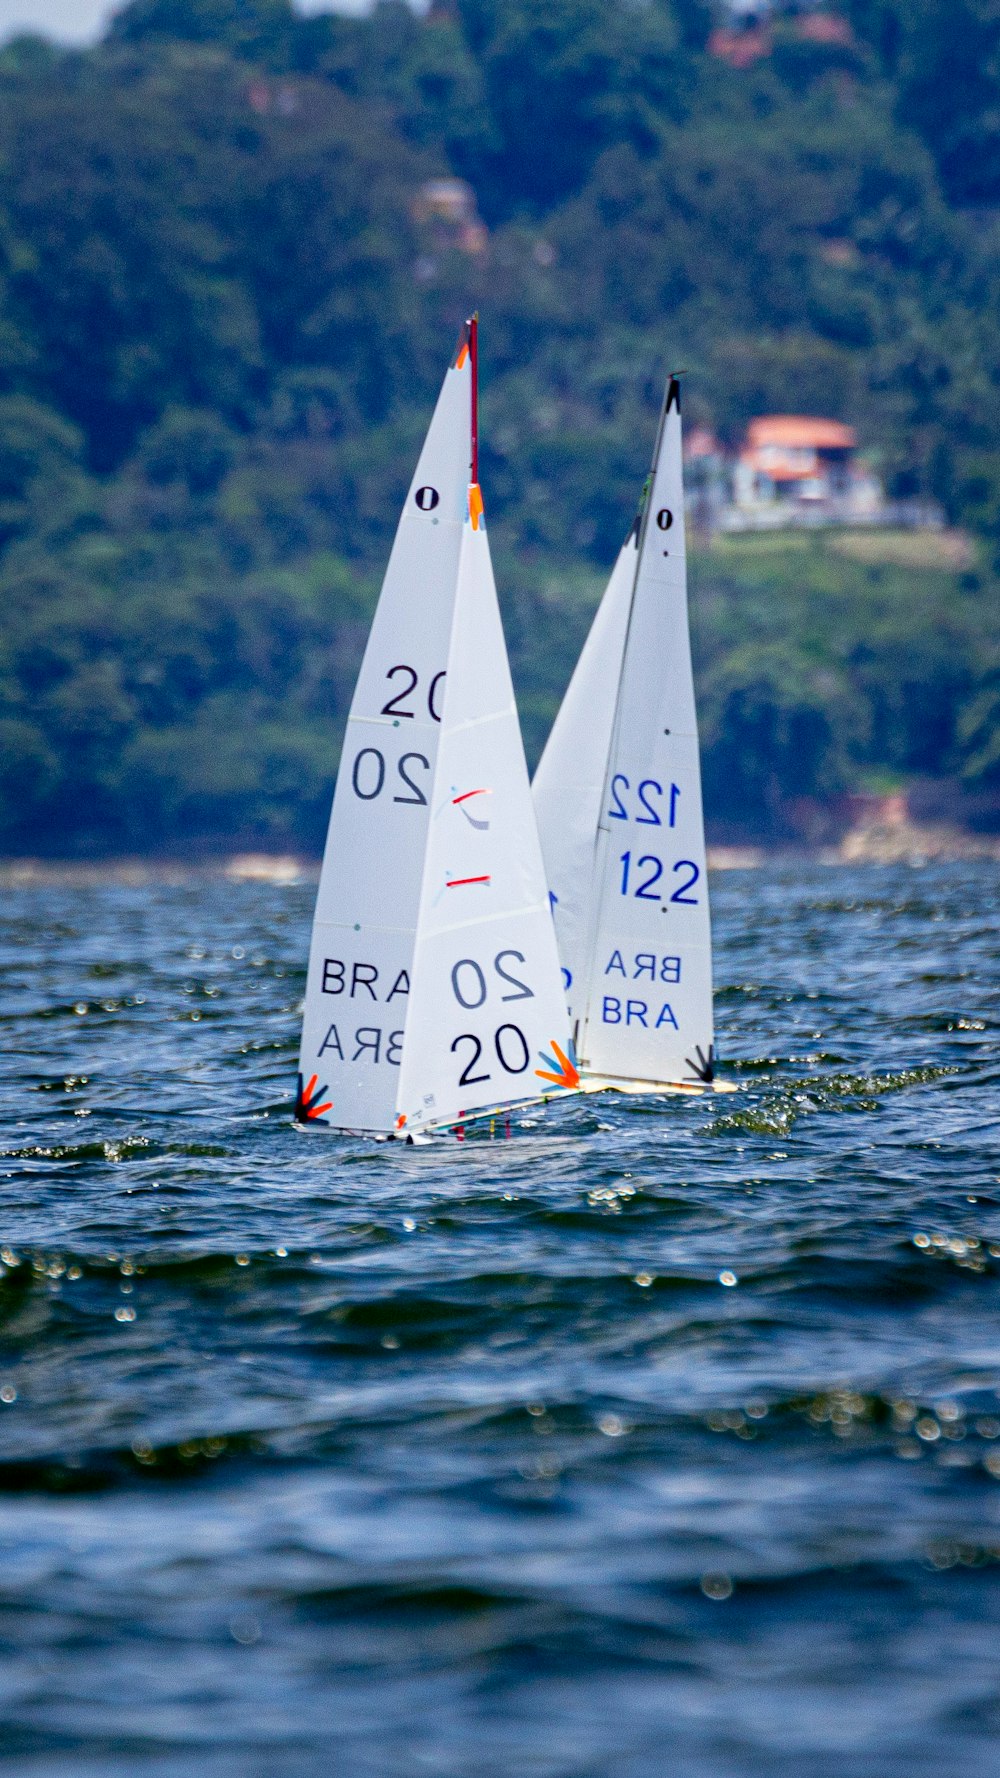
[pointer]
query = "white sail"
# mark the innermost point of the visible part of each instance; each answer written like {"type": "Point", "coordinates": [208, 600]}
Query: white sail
{"type": "Point", "coordinates": [569, 782]}
{"type": "Point", "coordinates": [369, 894]}
{"type": "Point", "coordinates": [487, 999]}
{"type": "Point", "coordinates": [435, 668]}
{"type": "Point", "coordinates": [642, 993]}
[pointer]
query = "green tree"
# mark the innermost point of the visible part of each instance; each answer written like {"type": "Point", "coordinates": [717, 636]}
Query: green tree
{"type": "Point", "coordinates": [565, 79]}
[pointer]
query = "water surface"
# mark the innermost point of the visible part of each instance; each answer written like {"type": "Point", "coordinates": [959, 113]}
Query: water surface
{"type": "Point", "coordinates": [663, 1438]}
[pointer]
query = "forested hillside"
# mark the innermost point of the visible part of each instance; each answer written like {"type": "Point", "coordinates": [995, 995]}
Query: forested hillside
{"type": "Point", "coordinates": [226, 302]}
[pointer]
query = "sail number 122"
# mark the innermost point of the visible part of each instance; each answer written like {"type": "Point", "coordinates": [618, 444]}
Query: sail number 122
{"type": "Point", "coordinates": [648, 794]}
{"type": "Point", "coordinates": [641, 879]}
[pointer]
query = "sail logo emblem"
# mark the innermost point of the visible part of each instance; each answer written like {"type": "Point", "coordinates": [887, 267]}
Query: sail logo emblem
{"type": "Point", "coordinates": [702, 1065]}
{"type": "Point", "coordinates": [308, 1109]}
{"type": "Point", "coordinates": [561, 1069]}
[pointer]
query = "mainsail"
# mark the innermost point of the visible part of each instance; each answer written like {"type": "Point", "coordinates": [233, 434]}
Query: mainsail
{"type": "Point", "coordinates": [434, 986]}
{"type": "Point", "coordinates": [618, 797]}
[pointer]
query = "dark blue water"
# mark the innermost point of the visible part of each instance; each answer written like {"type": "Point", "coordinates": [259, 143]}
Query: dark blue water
{"type": "Point", "coordinates": [324, 1457]}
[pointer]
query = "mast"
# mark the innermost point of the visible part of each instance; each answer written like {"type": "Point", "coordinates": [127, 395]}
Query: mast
{"type": "Point", "coordinates": [473, 326]}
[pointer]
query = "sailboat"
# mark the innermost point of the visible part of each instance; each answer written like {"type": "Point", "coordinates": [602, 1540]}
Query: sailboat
{"type": "Point", "coordinates": [618, 798]}
{"type": "Point", "coordinates": [434, 991]}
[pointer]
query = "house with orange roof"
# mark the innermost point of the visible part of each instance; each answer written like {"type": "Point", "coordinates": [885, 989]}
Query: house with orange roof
{"type": "Point", "coordinates": [745, 34]}
{"type": "Point", "coordinates": [801, 469]}
{"type": "Point", "coordinates": [791, 471]}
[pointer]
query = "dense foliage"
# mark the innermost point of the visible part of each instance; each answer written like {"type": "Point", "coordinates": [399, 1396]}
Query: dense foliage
{"type": "Point", "coordinates": [224, 311]}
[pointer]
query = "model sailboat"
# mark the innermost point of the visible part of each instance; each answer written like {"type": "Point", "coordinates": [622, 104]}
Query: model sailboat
{"type": "Point", "coordinates": [618, 798]}
{"type": "Point", "coordinates": [434, 989]}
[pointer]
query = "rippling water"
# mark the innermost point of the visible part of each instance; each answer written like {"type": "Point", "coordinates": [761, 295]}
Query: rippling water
{"type": "Point", "coordinates": [662, 1439]}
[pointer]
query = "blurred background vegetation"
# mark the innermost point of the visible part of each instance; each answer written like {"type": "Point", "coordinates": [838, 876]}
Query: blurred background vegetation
{"type": "Point", "coordinates": [226, 303]}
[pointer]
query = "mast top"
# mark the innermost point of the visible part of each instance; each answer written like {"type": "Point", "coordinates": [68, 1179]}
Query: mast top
{"type": "Point", "coordinates": [473, 328]}
{"type": "Point", "coordinates": [468, 347]}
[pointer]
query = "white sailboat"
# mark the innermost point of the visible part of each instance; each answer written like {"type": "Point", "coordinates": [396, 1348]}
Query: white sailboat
{"type": "Point", "coordinates": [434, 989]}
{"type": "Point", "coordinates": [618, 798]}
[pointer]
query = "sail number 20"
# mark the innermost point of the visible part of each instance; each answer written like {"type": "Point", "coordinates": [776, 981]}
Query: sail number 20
{"type": "Point", "coordinates": [368, 776]}
{"type": "Point", "coordinates": [399, 703]}
{"type": "Point", "coordinates": [470, 988]}
{"type": "Point", "coordinates": [641, 879]}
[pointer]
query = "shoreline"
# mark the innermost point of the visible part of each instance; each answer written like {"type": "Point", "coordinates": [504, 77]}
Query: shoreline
{"type": "Point", "coordinates": [871, 844]}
